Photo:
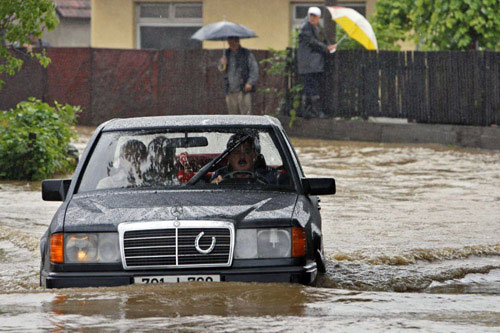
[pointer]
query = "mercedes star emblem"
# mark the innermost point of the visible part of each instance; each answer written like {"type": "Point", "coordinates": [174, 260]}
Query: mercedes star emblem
{"type": "Point", "coordinates": [176, 211]}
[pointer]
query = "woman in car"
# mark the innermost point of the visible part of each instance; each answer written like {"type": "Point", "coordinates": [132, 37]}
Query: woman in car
{"type": "Point", "coordinates": [161, 157]}
{"type": "Point", "coordinates": [133, 155]}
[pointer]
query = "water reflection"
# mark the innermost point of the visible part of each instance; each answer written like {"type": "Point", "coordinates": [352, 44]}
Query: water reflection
{"type": "Point", "coordinates": [264, 307]}
{"type": "Point", "coordinates": [185, 299]}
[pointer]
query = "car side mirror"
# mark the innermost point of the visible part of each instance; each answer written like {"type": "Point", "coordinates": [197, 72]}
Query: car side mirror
{"type": "Point", "coordinates": [55, 189]}
{"type": "Point", "coordinates": [318, 186]}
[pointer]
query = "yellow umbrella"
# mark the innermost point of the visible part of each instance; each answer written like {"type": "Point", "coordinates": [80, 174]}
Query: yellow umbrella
{"type": "Point", "coordinates": [355, 25]}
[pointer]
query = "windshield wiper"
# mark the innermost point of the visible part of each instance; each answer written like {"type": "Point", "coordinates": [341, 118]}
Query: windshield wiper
{"type": "Point", "coordinates": [216, 160]}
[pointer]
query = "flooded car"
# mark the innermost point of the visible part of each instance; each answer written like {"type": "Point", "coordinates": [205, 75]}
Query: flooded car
{"type": "Point", "coordinates": [185, 198]}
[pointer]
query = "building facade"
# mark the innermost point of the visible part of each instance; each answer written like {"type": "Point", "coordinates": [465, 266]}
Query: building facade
{"type": "Point", "coordinates": [168, 24]}
{"type": "Point", "coordinates": [73, 29]}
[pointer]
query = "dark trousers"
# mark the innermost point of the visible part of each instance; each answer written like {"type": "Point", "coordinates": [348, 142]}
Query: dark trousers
{"type": "Point", "coordinates": [313, 83]}
{"type": "Point", "coordinates": [312, 96]}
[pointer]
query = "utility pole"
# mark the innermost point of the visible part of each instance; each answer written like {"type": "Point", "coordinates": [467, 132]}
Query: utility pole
{"type": "Point", "coordinates": [329, 24]}
{"type": "Point", "coordinates": [329, 84]}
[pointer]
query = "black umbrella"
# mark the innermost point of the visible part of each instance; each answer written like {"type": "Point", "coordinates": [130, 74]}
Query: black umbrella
{"type": "Point", "coordinates": [222, 30]}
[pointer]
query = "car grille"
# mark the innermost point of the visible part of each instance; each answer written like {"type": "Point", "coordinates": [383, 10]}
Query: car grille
{"type": "Point", "coordinates": [173, 244]}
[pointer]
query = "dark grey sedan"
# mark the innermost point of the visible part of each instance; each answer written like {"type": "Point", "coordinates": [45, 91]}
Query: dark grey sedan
{"type": "Point", "coordinates": [185, 198]}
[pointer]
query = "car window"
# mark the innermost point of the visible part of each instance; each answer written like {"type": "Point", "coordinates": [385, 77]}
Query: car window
{"type": "Point", "coordinates": [169, 159]}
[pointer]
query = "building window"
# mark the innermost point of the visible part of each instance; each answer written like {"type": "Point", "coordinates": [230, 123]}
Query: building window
{"type": "Point", "coordinates": [168, 25]}
{"type": "Point", "coordinates": [299, 10]}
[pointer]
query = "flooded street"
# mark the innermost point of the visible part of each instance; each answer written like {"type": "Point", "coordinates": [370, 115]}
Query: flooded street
{"type": "Point", "coordinates": [412, 239]}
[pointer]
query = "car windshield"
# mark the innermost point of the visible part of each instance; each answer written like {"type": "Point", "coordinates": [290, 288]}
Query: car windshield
{"type": "Point", "coordinates": [173, 159]}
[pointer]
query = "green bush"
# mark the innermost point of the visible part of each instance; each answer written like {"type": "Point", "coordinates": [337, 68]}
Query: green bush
{"type": "Point", "coordinates": [34, 140]}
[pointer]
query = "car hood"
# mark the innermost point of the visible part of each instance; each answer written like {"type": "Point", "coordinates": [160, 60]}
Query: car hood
{"type": "Point", "coordinates": [103, 211]}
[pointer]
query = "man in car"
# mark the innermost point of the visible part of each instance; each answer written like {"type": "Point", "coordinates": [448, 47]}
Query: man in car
{"type": "Point", "coordinates": [245, 161]}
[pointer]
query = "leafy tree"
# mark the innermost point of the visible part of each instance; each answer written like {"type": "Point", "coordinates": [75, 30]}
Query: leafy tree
{"type": "Point", "coordinates": [439, 24]}
{"type": "Point", "coordinates": [391, 23]}
{"type": "Point", "coordinates": [20, 22]}
{"type": "Point", "coordinates": [457, 24]}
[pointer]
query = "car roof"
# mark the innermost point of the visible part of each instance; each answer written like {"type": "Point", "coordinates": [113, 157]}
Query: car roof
{"type": "Point", "coordinates": [189, 121]}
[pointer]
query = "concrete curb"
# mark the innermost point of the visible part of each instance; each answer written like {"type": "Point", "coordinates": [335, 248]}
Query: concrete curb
{"type": "Point", "coordinates": [351, 130]}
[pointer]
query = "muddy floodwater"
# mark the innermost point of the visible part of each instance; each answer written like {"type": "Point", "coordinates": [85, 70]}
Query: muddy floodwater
{"type": "Point", "coordinates": [412, 239]}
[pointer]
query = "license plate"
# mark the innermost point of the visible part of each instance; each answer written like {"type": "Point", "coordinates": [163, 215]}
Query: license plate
{"type": "Point", "coordinates": [176, 279]}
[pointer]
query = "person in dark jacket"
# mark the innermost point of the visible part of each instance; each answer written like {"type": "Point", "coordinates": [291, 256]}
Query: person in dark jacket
{"type": "Point", "coordinates": [312, 49]}
{"type": "Point", "coordinates": [241, 73]}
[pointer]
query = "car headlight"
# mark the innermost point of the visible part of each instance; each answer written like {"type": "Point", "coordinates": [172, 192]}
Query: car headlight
{"type": "Point", "coordinates": [263, 243]}
{"type": "Point", "coordinates": [91, 248]}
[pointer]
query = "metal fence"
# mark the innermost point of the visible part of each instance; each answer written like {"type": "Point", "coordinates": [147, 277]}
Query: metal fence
{"type": "Point", "coordinates": [428, 87]}
{"type": "Point", "coordinates": [435, 87]}
{"type": "Point", "coordinates": [112, 83]}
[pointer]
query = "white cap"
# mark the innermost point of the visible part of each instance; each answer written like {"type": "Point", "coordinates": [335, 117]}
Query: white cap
{"type": "Point", "coordinates": [314, 10]}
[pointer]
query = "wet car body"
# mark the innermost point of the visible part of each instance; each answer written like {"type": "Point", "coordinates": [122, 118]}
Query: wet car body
{"type": "Point", "coordinates": [185, 233]}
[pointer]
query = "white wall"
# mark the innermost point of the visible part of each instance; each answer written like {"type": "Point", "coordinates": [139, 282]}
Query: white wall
{"type": "Point", "coordinates": [69, 33]}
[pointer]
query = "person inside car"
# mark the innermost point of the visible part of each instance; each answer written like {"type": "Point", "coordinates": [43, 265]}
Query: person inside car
{"type": "Point", "coordinates": [133, 155]}
{"type": "Point", "coordinates": [246, 161]}
{"type": "Point", "coordinates": [162, 169]}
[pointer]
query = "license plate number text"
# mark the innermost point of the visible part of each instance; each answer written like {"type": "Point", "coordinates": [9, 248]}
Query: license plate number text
{"type": "Point", "coordinates": [176, 279]}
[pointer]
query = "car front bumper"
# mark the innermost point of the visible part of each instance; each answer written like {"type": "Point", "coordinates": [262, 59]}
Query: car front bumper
{"type": "Point", "coordinates": [296, 274]}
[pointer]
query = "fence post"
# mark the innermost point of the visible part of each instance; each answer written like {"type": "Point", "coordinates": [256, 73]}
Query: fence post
{"type": "Point", "coordinates": [287, 81]}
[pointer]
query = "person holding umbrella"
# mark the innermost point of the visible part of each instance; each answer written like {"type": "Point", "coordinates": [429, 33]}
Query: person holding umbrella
{"type": "Point", "coordinates": [238, 64]}
{"type": "Point", "coordinates": [241, 73]}
{"type": "Point", "coordinates": [312, 49]}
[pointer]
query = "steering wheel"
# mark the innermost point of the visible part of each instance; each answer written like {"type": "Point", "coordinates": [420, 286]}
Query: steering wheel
{"type": "Point", "coordinates": [254, 177]}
